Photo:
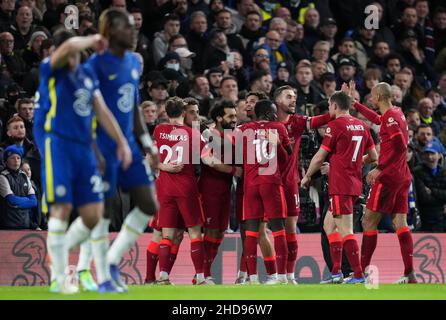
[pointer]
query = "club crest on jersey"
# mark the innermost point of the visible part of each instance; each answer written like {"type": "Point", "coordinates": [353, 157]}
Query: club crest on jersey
{"type": "Point", "coordinates": [88, 83]}
{"type": "Point", "coordinates": [328, 130]}
{"type": "Point", "coordinates": [61, 191]}
{"type": "Point", "coordinates": [135, 74]}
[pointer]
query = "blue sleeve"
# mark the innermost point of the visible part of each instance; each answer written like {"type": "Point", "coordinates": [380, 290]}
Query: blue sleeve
{"type": "Point", "coordinates": [27, 202]}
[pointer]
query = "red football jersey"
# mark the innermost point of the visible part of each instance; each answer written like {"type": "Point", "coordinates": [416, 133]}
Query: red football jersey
{"type": "Point", "coordinates": [296, 126]}
{"type": "Point", "coordinates": [175, 146]}
{"type": "Point", "coordinates": [260, 158]}
{"type": "Point", "coordinates": [211, 180]}
{"type": "Point", "coordinates": [394, 165]}
{"type": "Point", "coordinates": [347, 139]}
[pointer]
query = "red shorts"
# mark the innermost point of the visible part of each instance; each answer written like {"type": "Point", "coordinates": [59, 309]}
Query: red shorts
{"type": "Point", "coordinates": [341, 204]}
{"type": "Point", "coordinates": [154, 223]}
{"type": "Point", "coordinates": [291, 192]}
{"type": "Point", "coordinates": [264, 201]}
{"type": "Point", "coordinates": [179, 212]}
{"type": "Point", "coordinates": [389, 199]}
{"type": "Point", "coordinates": [216, 208]}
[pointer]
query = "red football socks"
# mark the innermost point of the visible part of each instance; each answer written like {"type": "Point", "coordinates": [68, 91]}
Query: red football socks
{"type": "Point", "coordinates": [173, 255]}
{"type": "Point", "coordinates": [352, 252]}
{"type": "Point", "coordinates": [197, 254]}
{"type": "Point", "coordinates": [250, 251]}
{"type": "Point", "coordinates": [164, 254]}
{"type": "Point", "coordinates": [369, 240]}
{"type": "Point", "coordinates": [335, 252]}
{"type": "Point", "coordinates": [291, 239]}
{"type": "Point", "coordinates": [270, 265]}
{"type": "Point", "coordinates": [152, 260]}
{"type": "Point", "coordinates": [406, 244]}
{"type": "Point", "coordinates": [281, 248]}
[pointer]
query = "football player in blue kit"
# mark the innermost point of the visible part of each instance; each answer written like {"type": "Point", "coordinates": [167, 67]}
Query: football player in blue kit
{"type": "Point", "coordinates": [68, 101]}
{"type": "Point", "coordinates": [118, 72]}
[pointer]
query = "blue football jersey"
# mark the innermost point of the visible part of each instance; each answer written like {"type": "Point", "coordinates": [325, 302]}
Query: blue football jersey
{"type": "Point", "coordinates": [64, 103]}
{"type": "Point", "coordinates": [119, 85]}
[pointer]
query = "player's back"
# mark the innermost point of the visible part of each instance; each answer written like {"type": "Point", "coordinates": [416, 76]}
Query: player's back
{"type": "Point", "coordinates": [260, 156]}
{"type": "Point", "coordinates": [64, 105]}
{"type": "Point", "coordinates": [347, 139]}
{"type": "Point", "coordinates": [119, 84]}
{"type": "Point", "coordinates": [175, 147]}
{"type": "Point", "coordinates": [394, 164]}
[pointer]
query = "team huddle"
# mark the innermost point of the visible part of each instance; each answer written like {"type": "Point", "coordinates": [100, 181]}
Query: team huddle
{"type": "Point", "coordinates": [92, 108]}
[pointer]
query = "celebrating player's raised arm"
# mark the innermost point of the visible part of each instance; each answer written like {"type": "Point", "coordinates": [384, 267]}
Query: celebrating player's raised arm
{"type": "Point", "coordinates": [74, 45]}
{"type": "Point", "coordinates": [108, 122]}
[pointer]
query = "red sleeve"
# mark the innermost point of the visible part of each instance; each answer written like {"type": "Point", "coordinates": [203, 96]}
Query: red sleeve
{"type": "Point", "coordinates": [283, 134]}
{"type": "Point", "coordinates": [329, 140]}
{"type": "Point", "coordinates": [299, 124]}
{"type": "Point", "coordinates": [318, 121]}
{"type": "Point", "coordinates": [368, 113]}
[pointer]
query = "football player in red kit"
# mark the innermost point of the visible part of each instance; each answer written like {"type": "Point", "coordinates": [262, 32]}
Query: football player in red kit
{"type": "Point", "coordinates": [264, 142]}
{"type": "Point", "coordinates": [285, 100]}
{"type": "Point", "coordinates": [215, 186]}
{"type": "Point", "coordinates": [390, 180]}
{"type": "Point", "coordinates": [346, 140]}
{"type": "Point", "coordinates": [264, 242]}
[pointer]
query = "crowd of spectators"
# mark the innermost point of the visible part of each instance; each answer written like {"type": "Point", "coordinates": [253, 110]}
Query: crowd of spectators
{"type": "Point", "coordinates": [215, 50]}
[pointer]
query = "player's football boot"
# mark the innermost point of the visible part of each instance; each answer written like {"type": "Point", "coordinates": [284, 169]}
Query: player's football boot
{"type": "Point", "coordinates": [116, 279]}
{"type": "Point", "coordinates": [271, 280]}
{"type": "Point", "coordinates": [107, 287]}
{"type": "Point", "coordinates": [150, 282]}
{"type": "Point", "coordinates": [201, 282]}
{"type": "Point", "coordinates": [354, 280]}
{"type": "Point", "coordinates": [240, 280]}
{"type": "Point", "coordinates": [210, 280]}
{"type": "Point", "coordinates": [410, 278]}
{"type": "Point", "coordinates": [194, 279]}
{"type": "Point", "coordinates": [68, 288]}
{"type": "Point", "coordinates": [87, 282]}
{"type": "Point", "coordinates": [164, 282]}
{"type": "Point", "coordinates": [334, 279]}
{"type": "Point", "coordinates": [291, 280]}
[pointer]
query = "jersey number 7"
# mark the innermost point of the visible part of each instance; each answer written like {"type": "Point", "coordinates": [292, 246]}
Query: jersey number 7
{"type": "Point", "coordinates": [358, 140]}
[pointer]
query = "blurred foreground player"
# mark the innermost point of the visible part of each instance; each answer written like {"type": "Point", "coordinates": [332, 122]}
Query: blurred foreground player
{"type": "Point", "coordinates": [68, 99]}
{"type": "Point", "coordinates": [118, 72]}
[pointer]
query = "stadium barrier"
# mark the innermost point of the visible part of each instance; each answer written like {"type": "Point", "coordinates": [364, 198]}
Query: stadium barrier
{"type": "Point", "coordinates": [23, 259]}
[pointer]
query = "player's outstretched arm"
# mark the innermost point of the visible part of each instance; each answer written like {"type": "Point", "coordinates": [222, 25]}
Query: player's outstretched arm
{"type": "Point", "coordinates": [318, 121]}
{"type": "Point", "coordinates": [371, 115]}
{"type": "Point", "coordinates": [111, 126]}
{"type": "Point", "coordinates": [59, 58]}
{"type": "Point", "coordinates": [315, 166]}
{"type": "Point", "coordinates": [144, 136]}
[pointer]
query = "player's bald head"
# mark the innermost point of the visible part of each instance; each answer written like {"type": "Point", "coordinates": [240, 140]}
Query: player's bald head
{"type": "Point", "coordinates": [383, 90]}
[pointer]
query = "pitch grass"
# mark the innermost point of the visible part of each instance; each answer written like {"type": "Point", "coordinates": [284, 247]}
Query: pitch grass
{"type": "Point", "coordinates": [231, 292]}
